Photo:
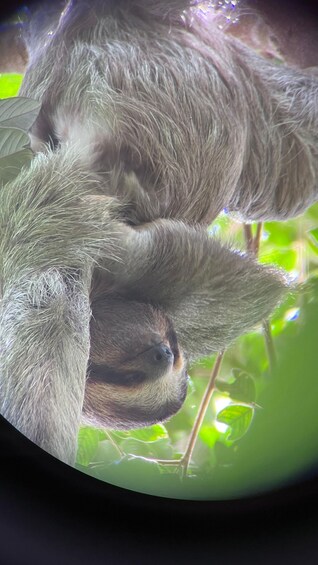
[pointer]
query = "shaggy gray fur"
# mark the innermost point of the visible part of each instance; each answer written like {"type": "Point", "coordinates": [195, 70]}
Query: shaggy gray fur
{"type": "Point", "coordinates": [50, 237]}
{"type": "Point", "coordinates": [156, 120]}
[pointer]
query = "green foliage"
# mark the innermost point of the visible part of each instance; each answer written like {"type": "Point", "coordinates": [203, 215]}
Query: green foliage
{"type": "Point", "coordinates": [282, 441]}
{"type": "Point", "coordinates": [238, 417]}
{"type": "Point", "coordinates": [89, 440]}
{"type": "Point", "coordinates": [260, 429]}
{"type": "Point", "coordinates": [18, 112]}
{"type": "Point", "coordinates": [240, 387]}
{"type": "Point", "coordinates": [16, 117]}
{"type": "Point", "coordinates": [154, 433]}
{"type": "Point", "coordinates": [14, 153]}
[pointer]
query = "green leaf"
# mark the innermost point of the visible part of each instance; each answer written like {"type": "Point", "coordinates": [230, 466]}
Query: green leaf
{"type": "Point", "coordinates": [88, 440]}
{"type": "Point", "coordinates": [242, 389]}
{"type": "Point", "coordinates": [132, 446]}
{"type": "Point", "coordinates": [238, 417]}
{"type": "Point", "coordinates": [12, 140]}
{"type": "Point", "coordinates": [153, 433]}
{"type": "Point", "coordinates": [10, 84]}
{"type": "Point", "coordinates": [106, 452]}
{"type": "Point", "coordinates": [159, 449]}
{"type": "Point", "coordinates": [18, 112]}
{"type": "Point", "coordinates": [14, 152]}
{"type": "Point", "coordinates": [16, 117]}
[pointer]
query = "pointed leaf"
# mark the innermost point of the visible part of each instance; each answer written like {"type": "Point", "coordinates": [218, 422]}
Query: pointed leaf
{"type": "Point", "coordinates": [14, 153]}
{"type": "Point", "coordinates": [11, 166]}
{"type": "Point", "coordinates": [238, 417]}
{"type": "Point", "coordinates": [12, 140]}
{"type": "Point", "coordinates": [18, 112]}
{"type": "Point", "coordinates": [242, 389]}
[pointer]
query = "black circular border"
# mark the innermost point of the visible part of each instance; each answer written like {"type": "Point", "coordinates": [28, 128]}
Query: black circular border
{"type": "Point", "coordinates": [52, 514]}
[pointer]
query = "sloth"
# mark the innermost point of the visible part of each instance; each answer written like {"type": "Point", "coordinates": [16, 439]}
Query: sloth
{"type": "Point", "coordinates": [152, 122]}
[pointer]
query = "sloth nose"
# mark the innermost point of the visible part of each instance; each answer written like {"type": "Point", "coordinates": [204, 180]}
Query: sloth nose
{"type": "Point", "coordinates": [162, 354]}
{"type": "Point", "coordinates": [159, 359]}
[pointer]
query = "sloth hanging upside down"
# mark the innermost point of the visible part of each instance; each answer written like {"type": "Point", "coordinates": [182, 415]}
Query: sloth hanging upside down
{"type": "Point", "coordinates": [152, 122]}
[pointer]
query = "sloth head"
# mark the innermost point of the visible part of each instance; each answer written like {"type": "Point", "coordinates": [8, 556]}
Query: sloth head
{"type": "Point", "coordinates": [137, 373]}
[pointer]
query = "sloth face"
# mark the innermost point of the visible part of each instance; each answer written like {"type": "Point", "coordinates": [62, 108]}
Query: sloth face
{"type": "Point", "coordinates": [136, 374]}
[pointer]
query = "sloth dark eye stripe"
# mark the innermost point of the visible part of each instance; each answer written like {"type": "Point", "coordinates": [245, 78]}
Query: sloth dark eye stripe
{"type": "Point", "coordinates": [105, 374]}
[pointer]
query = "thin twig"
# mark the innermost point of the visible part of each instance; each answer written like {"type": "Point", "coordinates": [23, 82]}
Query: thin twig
{"type": "Point", "coordinates": [172, 462]}
{"type": "Point", "coordinates": [270, 348]}
{"type": "Point", "coordinates": [257, 238]}
{"type": "Point", "coordinates": [186, 458]}
{"type": "Point", "coordinates": [248, 235]}
{"type": "Point", "coordinates": [252, 242]}
{"type": "Point", "coordinates": [252, 245]}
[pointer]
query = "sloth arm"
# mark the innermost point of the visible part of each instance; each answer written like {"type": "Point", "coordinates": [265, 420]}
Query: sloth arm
{"type": "Point", "coordinates": [51, 235]}
{"type": "Point", "coordinates": [212, 293]}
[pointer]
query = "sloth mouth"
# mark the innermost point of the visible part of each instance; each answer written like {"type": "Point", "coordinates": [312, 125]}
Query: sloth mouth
{"type": "Point", "coordinates": [124, 412]}
{"type": "Point", "coordinates": [132, 417]}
